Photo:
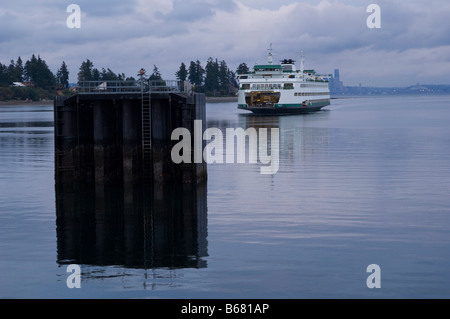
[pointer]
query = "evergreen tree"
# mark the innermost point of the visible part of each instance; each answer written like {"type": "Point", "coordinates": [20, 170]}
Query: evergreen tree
{"type": "Point", "coordinates": [62, 76]}
{"type": "Point", "coordinates": [212, 76]}
{"type": "Point", "coordinates": [192, 74]}
{"type": "Point", "coordinates": [196, 73]}
{"type": "Point", "coordinates": [242, 68]}
{"type": "Point", "coordinates": [95, 74]}
{"type": "Point", "coordinates": [200, 71]}
{"type": "Point", "coordinates": [12, 71]}
{"type": "Point", "coordinates": [30, 68]}
{"type": "Point", "coordinates": [224, 78]}
{"type": "Point", "coordinates": [108, 75]}
{"type": "Point", "coordinates": [156, 75]}
{"type": "Point", "coordinates": [233, 81]}
{"type": "Point", "coordinates": [4, 77]}
{"type": "Point", "coordinates": [227, 78]}
{"type": "Point", "coordinates": [182, 73]}
{"type": "Point", "coordinates": [18, 72]}
{"type": "Point", "coordinates": [44, 77]}
{"type": "Point", "coordinates": [85, 73]}
{"type": "Point", "coordinates": [37, 71]}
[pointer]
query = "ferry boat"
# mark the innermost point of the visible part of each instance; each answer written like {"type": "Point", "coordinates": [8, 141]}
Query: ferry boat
{"type": "Point", "coordinates": [281, 88]}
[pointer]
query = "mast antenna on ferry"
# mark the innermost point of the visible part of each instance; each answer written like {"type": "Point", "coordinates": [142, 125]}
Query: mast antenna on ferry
{"type": "Point", "coordinates": [302, 61]}
{"type": "Point", "coordinates": [270, 56]}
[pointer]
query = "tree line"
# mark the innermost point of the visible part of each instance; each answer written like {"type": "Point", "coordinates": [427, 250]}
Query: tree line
{"type": "Point", "coordinates": [87, 72]}
{"type": "Point", "coordinates": [33, 70]}
{"type": "Point", "coordinates": [214, 79]}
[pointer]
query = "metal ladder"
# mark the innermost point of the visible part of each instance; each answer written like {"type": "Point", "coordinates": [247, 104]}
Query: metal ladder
{"type": "Point", "coordinates": [147, 137]}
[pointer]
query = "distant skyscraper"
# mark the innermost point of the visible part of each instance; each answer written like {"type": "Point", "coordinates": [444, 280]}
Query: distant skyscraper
{"type": "Point", "coordinates": [336, 75]}
{"type": "Point", "coordinates": [335, 84]}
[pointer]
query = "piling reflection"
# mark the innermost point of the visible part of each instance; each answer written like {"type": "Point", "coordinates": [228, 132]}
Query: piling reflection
{"type": "Point", "coordinates": [132, 226]}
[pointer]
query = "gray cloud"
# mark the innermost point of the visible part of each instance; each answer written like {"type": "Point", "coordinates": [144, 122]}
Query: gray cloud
{"type": "Point", "coordinates": [193, 10]}
{"type": "Point", "coordinates": [10, 29]}
{"type": "Point", "coordinates": [104, 8]}
{"type": "Point", "coordinates": [127, 35]}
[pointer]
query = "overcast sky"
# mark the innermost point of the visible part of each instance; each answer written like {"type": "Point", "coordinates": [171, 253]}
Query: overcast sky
{"type": "Point", "coordinates": [412, 46]}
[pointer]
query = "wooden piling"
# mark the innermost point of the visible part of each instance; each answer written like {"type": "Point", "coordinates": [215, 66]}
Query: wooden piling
{"type": "Point", "coordinates": [131, 142]}
{"type": "Point", "coordinates": [99, 137]}
{"type": "Point", "coordinates": [120, 199]}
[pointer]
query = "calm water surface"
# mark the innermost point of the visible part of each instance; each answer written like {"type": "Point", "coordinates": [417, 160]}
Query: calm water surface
{"type": "Point", "coordinates": [366, 181]}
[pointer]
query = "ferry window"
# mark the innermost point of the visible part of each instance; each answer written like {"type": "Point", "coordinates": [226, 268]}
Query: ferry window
{"type": "Point", "coordinates": [245, 86]}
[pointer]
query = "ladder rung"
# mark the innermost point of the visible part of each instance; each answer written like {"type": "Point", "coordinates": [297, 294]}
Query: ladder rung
{"type": "Point", "coordinates": [146, 135]}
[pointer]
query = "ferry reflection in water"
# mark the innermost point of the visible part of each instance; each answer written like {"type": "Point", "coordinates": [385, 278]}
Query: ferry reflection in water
{"type": "Point", "coordinates": [300, 139]}
{"type": "Point", "coordinates": [123, 225]}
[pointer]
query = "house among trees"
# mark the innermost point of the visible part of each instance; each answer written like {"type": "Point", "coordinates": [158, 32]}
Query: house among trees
{"type": "Point", "coordinates": [24, 84]}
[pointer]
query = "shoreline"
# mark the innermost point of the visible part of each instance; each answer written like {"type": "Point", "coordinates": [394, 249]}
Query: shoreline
{"type": "Point", "coordinates": [25, 103]}
{"type": "Point", "coordinates": [209, 99]}
{"type": "Point", "coordinates": [221, 99]}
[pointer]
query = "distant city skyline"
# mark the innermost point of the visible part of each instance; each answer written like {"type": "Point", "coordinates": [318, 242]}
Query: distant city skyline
{"type": "Point", "coordinates": [407, 49]}
{"type": "Point", "coordinates": [338, 87]}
